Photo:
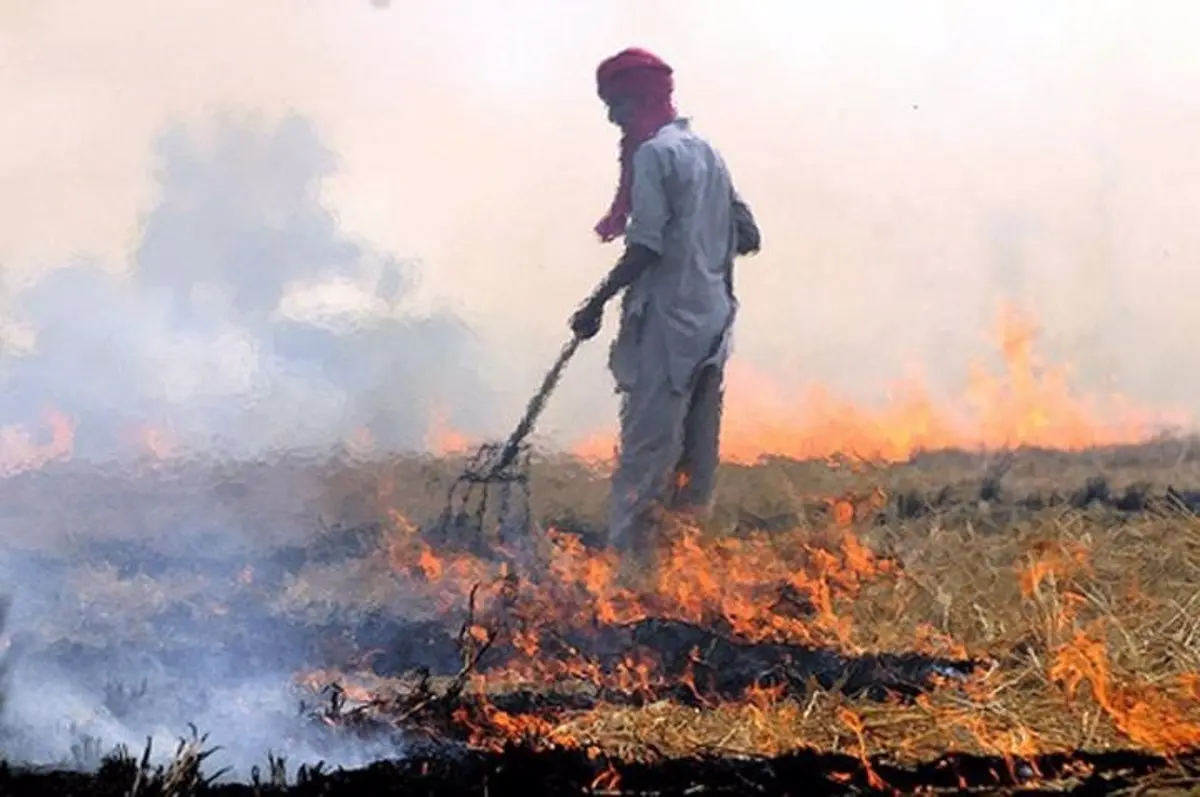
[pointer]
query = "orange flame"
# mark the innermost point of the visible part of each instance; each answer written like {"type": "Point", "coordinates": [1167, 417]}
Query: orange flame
{"type": "Point", "coordinates": [1149, 715]}
{"type": "Point", "coordinates": [20, 450]}
{"type": "Point", "coordinates": [854, 722]}
{"type": "Point", "coordinates": [1027, 403]}
{"type": "Point", "coordinates": [441, 438]}
{"type": "Point", "coordinates": [785, 587]}
{"type": "Point", "coordinates": [1052, 561]}
{"type": "Point", "coordinates": [756, 586]}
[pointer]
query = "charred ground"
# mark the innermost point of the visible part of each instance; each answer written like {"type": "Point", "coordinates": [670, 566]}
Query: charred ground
{"type": "Point", "coordinates": [959, 619]}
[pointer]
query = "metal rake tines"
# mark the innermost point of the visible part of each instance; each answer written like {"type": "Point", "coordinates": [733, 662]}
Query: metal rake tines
{"type": "Point", "coordinates": [503, 468]}
{"type": "Point", "coordinates": [492, 488]}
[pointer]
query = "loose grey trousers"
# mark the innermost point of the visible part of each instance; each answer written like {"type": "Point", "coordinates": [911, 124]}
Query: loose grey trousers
{"type": "Point", "coordinates": [669, 450]}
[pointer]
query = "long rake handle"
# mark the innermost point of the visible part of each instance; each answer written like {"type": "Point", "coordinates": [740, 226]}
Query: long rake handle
{"type": "Point", "coordinates": [535, 406]}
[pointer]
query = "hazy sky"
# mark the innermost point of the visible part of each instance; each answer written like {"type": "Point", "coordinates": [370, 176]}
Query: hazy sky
{"type": "Point", "coordinates": [911, 163]}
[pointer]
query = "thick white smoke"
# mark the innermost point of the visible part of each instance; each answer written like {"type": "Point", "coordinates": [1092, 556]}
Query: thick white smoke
{"type": "Point", "coordinates": [248, 328]}
{"type": "Point", "coordinates": [227, 337]}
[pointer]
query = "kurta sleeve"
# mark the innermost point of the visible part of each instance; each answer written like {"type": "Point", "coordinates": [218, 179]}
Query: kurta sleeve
{"type": "Point", "coordinates": [650, 209]}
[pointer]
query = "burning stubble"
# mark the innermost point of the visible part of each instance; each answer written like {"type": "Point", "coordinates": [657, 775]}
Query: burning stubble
{"type": "Point", "coordinates": [202, 422]}
{"type": "Point", "coordinates": [842, 605]}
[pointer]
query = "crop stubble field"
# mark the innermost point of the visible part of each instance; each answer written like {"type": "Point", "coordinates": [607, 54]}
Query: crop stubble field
{"type": "Point", "coordinates": [1025, 619]}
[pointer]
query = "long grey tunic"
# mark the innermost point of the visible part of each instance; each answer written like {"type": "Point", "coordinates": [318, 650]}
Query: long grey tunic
{"type": "Point", "coordinates": [683, 210]}
{"type": "Point", "coordinates": [673, 341]}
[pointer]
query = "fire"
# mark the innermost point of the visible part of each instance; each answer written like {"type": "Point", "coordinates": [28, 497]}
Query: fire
{"type": "Point", "coordinates": [855, 724]}
{"type": "Point", "coordinates": [1055, 561]}
{"type": "Point", "coordinates": [608, 780]}
{"type": "Point", "coordinates": [1026, 403]}
{"type": "Point", "coordinates": [493, 727]}
{"type": "Point", "coordinates": [795, 587]}
{"type": "Point", "coordinates": [762, 588]}
{"type": "Point", "coordinates": [157, 441]}
{"type": "Point", "coordinates": [1009, 744]}
{"type": "Point", "coordinates": [1148, 714]}
{"type": "Point", "coordinates": [441, 438]}
{"type": "Point", "coordinates": [805, 587]}
{"type": "Point", "coordinates": [1152, 716]}
{"type": "Point", "coordinates": [598, 447]}
{"type": "Point", "coordinates": [20, 449]}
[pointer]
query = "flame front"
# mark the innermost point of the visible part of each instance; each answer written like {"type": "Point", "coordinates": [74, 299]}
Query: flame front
{"type": "Point", "coordinates": [826, 588]}
{"type": "Point", "coordinates": [1027, 403]}
{"type": "Point", "coordinates": [1040, 609]}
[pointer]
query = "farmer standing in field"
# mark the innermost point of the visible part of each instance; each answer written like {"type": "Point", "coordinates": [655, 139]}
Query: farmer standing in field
{"type": "Point", "coordinates": [683, 224]}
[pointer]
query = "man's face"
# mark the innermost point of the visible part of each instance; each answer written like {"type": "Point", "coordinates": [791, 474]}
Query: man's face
{"type": "Point", "coordinates": [620, 111]}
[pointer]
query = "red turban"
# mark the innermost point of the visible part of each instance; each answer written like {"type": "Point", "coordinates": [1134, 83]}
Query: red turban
{"type": "Point", "coordinates": [642, 77]}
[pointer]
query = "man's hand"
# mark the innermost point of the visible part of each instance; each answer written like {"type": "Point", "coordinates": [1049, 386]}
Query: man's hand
{"type": "Point", "coordinates": [633, 263]}
{"type": "Point", "coordinates": [588, 319]}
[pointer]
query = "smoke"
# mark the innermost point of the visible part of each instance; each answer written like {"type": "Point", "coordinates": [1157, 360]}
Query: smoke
{"type": "Point", "coordinates": [889, 154]}
{"type": "Point", "coordinates": [226, 336]}
{"type": "Point", "coordinates": [249, 326]}
{"type": "Point", "coordinates": [239, 286]}
{"type": "Point", "coordinates": [95, 659]}
{"type": "Point", "coordinates": [61, 723]}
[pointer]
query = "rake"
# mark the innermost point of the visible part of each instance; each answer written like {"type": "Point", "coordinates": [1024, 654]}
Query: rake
{"type": "Point", "coordinates": [497, 475]}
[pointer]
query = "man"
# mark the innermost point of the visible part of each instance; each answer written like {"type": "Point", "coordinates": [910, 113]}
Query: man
{"type": "Point", "coordinates": [683, 224]}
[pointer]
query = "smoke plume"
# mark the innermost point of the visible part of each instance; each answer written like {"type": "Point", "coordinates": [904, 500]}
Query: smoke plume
{"type": "Point", "coordinates": [226, 337]}
{"type": "Point", "coordinates": [250, 327]}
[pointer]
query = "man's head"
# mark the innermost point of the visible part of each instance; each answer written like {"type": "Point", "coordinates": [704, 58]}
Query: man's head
{"type": "Point", "coordinates": [634, 83]}
{"type": "Point", "coordinates": [636, 86]}
{"type": "Point", "coordinates": [621, 110]}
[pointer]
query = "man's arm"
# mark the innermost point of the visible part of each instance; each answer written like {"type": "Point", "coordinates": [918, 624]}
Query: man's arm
{"type": "Point", "coordinates": [649, 213]}
{"type": "Point", "coordinates": [644, 236]}
{"type": "Point", "coordinates": [637, 259]}
{"type": "Point", "coordinates": [749, 239]}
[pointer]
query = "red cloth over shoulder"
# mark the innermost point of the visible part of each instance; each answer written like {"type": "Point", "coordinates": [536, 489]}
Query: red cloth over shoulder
{"type": "Point", "coordinates": [643, 79]}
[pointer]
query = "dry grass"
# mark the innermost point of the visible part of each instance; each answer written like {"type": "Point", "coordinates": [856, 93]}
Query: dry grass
{"type": "Point", "coordinates": [1090, 617]}
{"type": "Point", "coordinates": [1102, 652]}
